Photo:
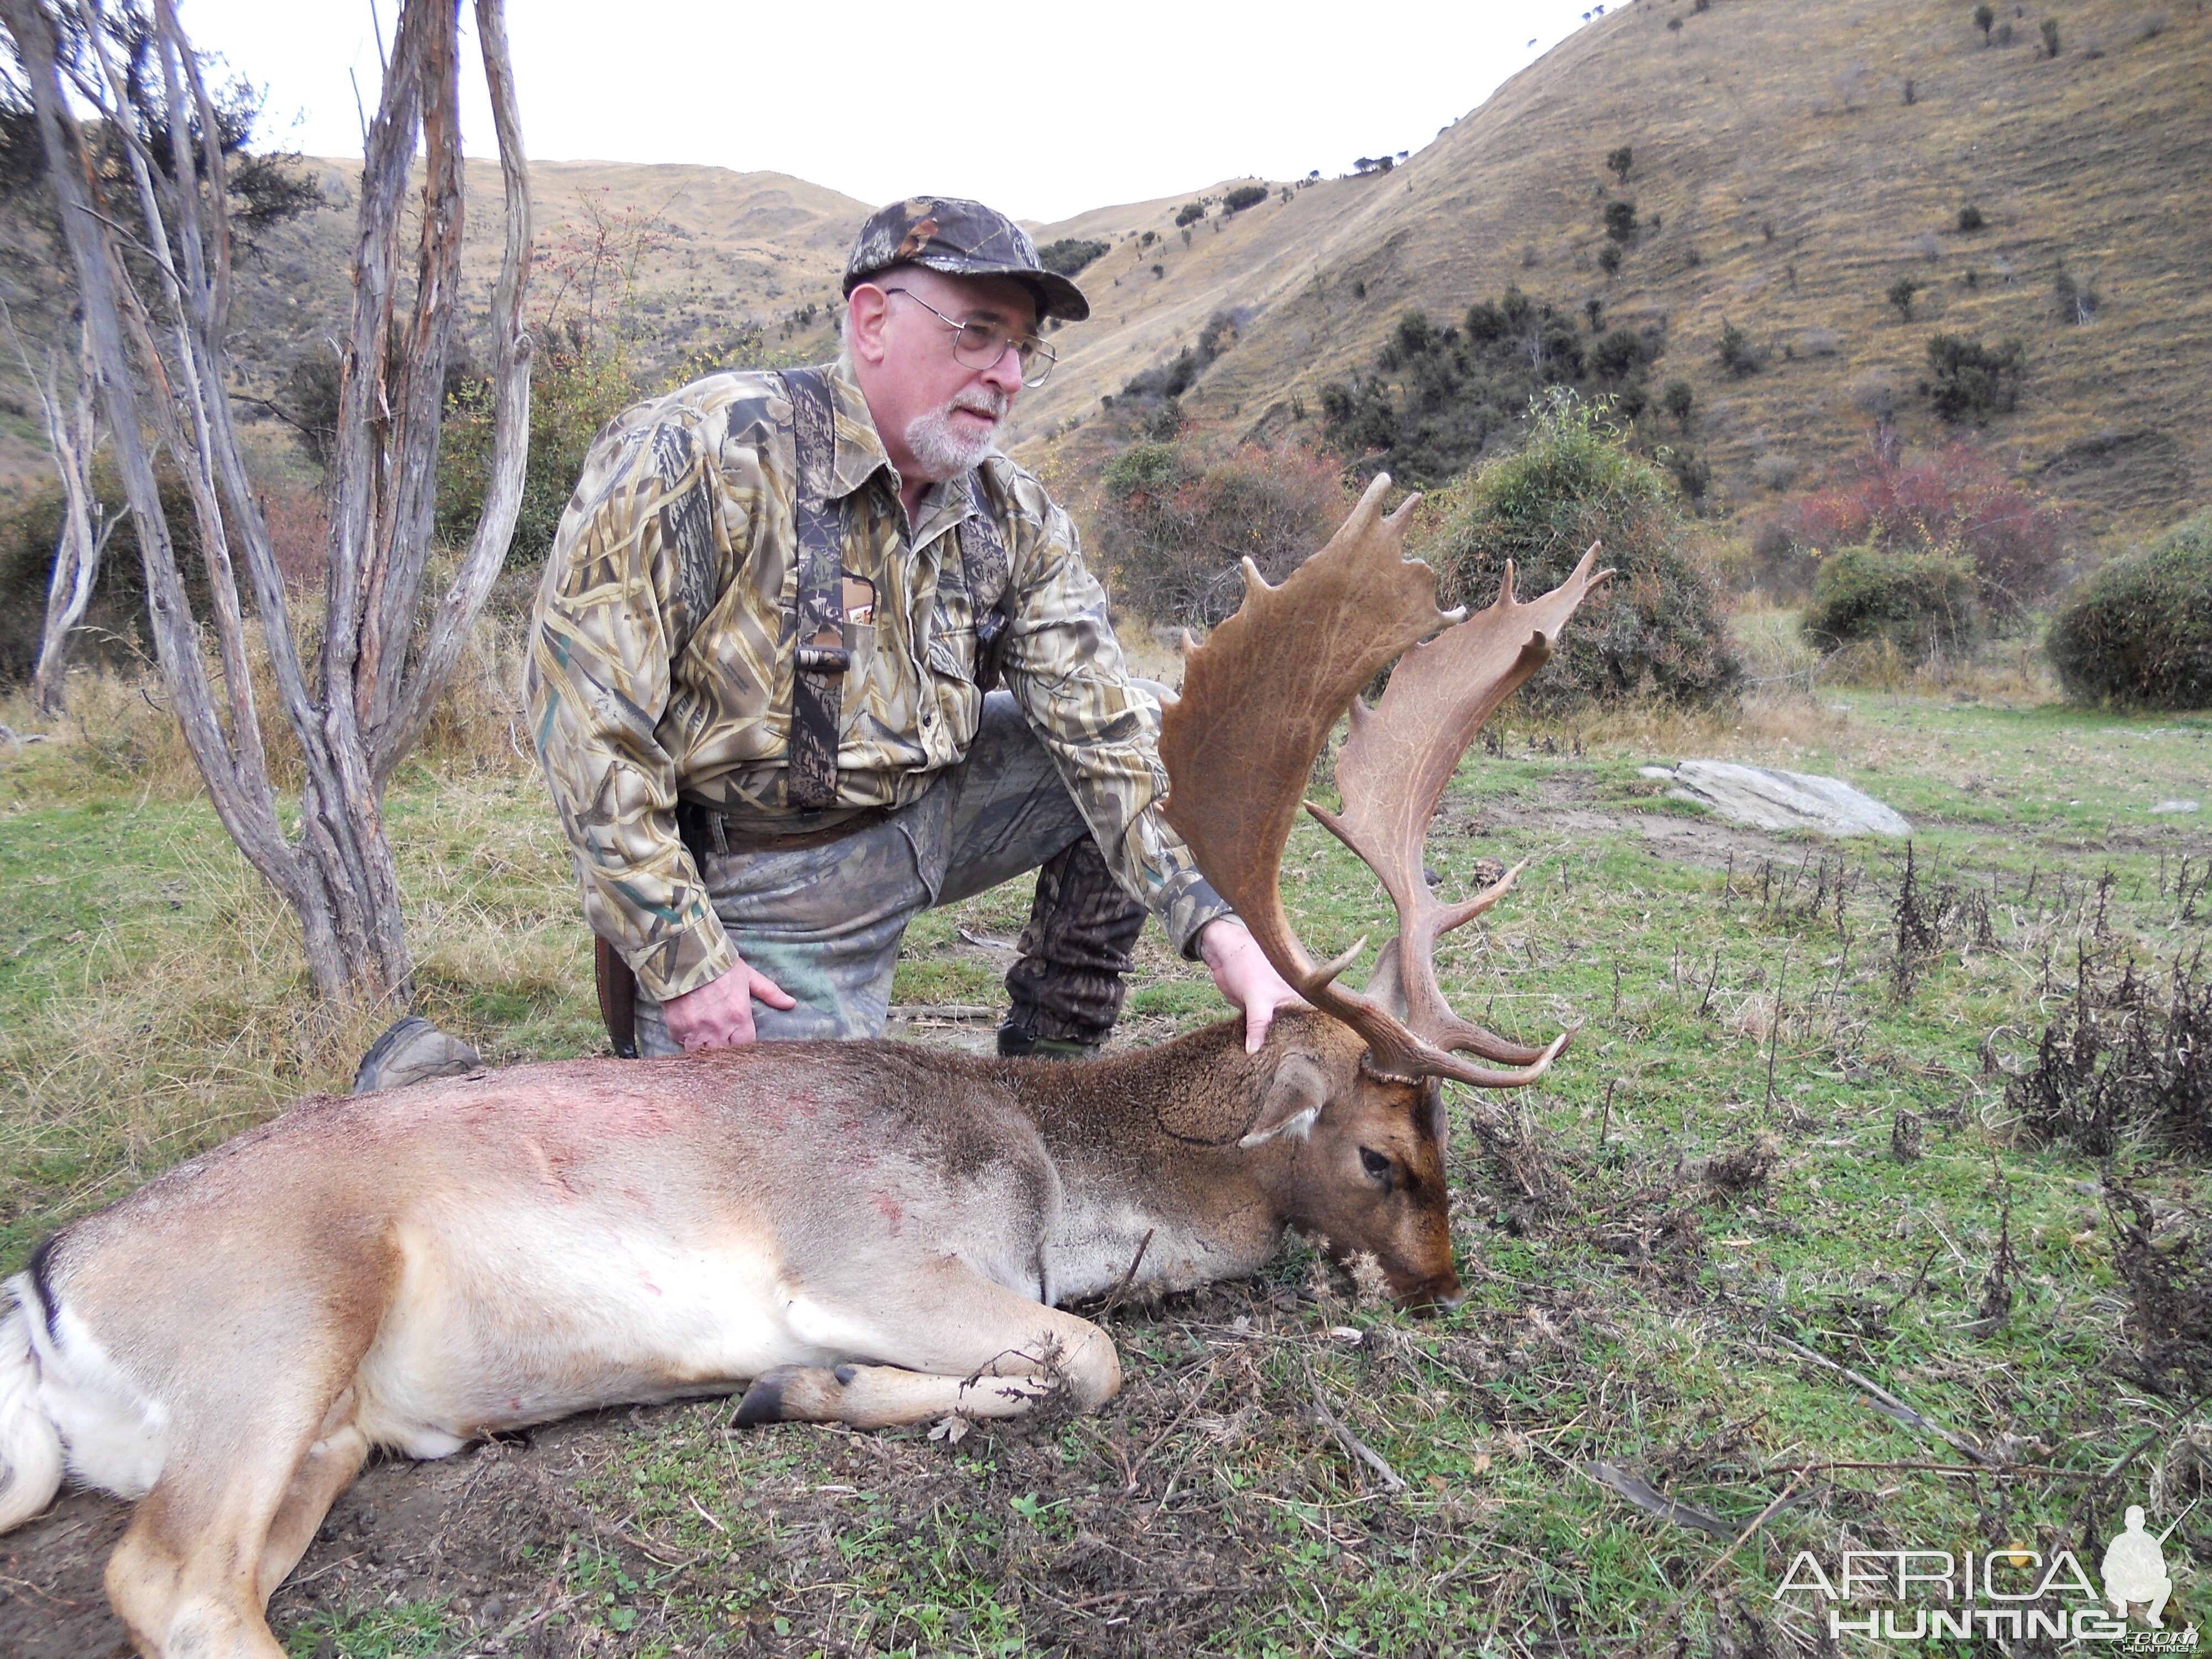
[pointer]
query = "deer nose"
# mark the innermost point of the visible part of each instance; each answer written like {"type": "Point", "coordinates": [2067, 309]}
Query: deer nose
{"type": "Point", "coordinates": [1440, 1295]}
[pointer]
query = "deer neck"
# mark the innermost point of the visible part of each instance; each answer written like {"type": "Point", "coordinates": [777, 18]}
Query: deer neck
{"type": "Point", "coordinates": [1151, 1172]}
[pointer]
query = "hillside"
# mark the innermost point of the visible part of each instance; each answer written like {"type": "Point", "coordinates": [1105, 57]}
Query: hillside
{"type": "Point", "coordinates": [1781, 183]}
{"type": "Point", "coordinates": [1784, 183]}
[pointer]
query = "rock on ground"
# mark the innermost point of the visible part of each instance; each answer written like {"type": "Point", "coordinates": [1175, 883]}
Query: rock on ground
{"type": "Point", "coordinates": [1775, 800]}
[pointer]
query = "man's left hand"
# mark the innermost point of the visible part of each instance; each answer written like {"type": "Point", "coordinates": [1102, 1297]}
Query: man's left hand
{"type": "Point", "coordinates": [1245, 977]}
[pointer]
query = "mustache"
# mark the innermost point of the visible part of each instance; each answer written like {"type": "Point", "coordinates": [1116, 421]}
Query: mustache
{"type": "Point", "coordinates": [981, 400]}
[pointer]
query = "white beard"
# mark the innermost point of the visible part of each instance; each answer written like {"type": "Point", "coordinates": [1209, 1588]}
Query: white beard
{"type": "Point", "coordinates": [946, 451]}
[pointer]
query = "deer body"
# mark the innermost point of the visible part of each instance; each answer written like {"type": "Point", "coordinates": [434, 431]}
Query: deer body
{"type": "Point", "coordinates": [868, 1232]}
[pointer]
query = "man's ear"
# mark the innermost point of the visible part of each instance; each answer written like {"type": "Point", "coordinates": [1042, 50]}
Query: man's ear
{"type": "Point", "coordinates": [866, 313]}
{"type": "Point", "coordinates": [1295, 1096]}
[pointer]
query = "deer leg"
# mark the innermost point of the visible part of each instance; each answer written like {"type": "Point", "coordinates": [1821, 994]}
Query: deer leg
{"type": "Point", "coordinates": [186, 1579]}
{"type": "Point", "coordinates": [948, 1339]}
{"type": "Point", "coordinates": [327, 1470]}
{"type": "Point", "coordinates": [237, 1504]}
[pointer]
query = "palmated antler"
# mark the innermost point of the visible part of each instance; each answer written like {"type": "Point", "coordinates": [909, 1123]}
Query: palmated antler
{"type": "Point", "coordinates": [1259, 701]}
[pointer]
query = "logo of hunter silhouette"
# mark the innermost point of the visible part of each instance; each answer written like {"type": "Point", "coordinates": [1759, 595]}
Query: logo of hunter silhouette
{"type": "Point", "coordinates": [2012, 1593]}
{"type": "Point", "coordinates": [2135, 1568]}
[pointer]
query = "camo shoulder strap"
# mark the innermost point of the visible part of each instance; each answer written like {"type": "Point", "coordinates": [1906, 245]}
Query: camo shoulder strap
{"type": "Point", "coordinates": [819, 659]}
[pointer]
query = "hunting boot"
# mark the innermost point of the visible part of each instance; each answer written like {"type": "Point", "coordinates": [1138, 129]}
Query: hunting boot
{"type": "Point", "coordinates": [413, 1051]}
{"type": "Point", "coordinates": [1065, 985]}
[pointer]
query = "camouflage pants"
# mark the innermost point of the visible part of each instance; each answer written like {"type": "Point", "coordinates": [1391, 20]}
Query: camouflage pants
{"type": "Point", "coordinates": [824, 922]}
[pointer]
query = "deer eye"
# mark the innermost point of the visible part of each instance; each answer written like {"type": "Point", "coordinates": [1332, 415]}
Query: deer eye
{"type": "Point", "coordinates": [1377, 1165]}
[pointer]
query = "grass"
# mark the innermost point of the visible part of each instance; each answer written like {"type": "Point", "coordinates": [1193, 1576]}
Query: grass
{"type": "Point", "coordinates": [1706, 1188]}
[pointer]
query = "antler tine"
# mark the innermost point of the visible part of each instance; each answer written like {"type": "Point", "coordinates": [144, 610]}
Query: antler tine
{"type": "Point", "coordinates": [1260, 699]}
{"type": "Point", "coordinates": [1392, 774]}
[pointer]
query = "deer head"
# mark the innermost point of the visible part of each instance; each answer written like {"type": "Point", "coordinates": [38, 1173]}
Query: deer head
{"type": "Point", "coordinates": [1258, 701]}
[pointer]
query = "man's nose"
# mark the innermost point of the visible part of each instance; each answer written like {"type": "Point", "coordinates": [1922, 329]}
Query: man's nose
{"type": "Point", "coordinates": [1006, 375]}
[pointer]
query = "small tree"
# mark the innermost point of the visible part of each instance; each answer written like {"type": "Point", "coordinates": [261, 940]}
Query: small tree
{"type": "Point", "coordinates": [1968, 380]}
{"type": "Point", "coordinates": [1619, 161]}
{"type": "Point", "coordinates": [1680, 397]}
{"type": "Point", "coordinates": [1901, 293]}
{"type": "Point", "coordinates": [1620, 220]}
{"type": "Point", "coordinates": [153, 267]}
{"type": "Point", "coordinates": [1608, 258]}
{"type": "Point", "coordinates": [1984, 16]}
{"type": "Point", "coordinates": [72, 439]}
{"type": "Point", "coordinates": [1189, 214]}
{"type": "Point", "coordinates": [1735, 351]}
{"type": "Point", "coordinates": [1970, 220]}
{"type": "Point", "coordinates": [2050, 37]}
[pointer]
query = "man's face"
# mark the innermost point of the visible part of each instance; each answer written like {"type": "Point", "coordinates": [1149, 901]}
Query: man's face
{"type": "Point", "coordinates": [937, 416]}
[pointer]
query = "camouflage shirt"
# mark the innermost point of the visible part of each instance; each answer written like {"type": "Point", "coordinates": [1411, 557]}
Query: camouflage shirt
{"type": "Point", "coordinates": [660, 661]}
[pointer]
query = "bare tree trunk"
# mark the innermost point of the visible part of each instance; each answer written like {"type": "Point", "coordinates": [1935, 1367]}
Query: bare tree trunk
{"type": "Point", "coordinates": [158, 342]}
{"type": "Point", "coordinates": [72, 438]}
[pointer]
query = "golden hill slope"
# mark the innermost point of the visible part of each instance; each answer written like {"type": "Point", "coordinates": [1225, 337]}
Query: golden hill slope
{"type": "Point", "coordinates": [1791, 185]}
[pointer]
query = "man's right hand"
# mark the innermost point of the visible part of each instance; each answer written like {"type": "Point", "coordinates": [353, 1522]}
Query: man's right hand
{"type": "Point", "coordinates": [720, 1013]}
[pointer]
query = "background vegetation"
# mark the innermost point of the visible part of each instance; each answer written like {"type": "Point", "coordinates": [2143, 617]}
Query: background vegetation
{"type": "Point", "coordinates": [2140, 630]}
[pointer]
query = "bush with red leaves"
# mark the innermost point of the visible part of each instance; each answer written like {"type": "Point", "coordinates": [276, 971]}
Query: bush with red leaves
{"type": "Point", "coordinates": [1955, 499]}
{"type": "Point", "coordinates": [1177, 520]}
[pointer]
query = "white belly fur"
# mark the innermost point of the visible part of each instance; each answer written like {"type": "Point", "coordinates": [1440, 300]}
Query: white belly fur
{"type": "Point", "coordinates": [506, 1320]}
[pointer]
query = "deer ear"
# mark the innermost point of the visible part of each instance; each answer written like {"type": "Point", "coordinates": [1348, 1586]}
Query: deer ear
{"type": "Point", "coordinates": [1295, 1097]}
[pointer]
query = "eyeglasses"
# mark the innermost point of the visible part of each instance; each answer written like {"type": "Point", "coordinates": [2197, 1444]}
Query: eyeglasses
{"type": "Point", "coordinates": [979, 344]}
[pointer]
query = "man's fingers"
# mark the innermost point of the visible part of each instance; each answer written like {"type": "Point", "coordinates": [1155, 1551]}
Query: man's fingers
{"type": "Point", "coordinates": [769, 992]}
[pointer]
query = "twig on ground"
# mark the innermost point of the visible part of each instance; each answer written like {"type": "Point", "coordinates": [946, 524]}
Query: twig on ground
{"type": "Point", "coordinates": [1744, 1537]}
{"type": "Point", "coordinates": [1889, 1405]}
{"type": "Point", "coordinates": [1129, 1275]}
{"type": "Point", "coordinates": [1639, 1492]}
{"type": "Point", "coordinates": [1358, 1449]}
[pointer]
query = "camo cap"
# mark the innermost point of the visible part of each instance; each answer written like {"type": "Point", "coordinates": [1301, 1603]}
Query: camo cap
{"type": "Point", "coordinates": [961, 239]}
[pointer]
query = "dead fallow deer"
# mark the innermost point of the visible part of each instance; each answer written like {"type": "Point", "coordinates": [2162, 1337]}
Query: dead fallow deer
{"type": "Point", "coordinates": [870, 1233]}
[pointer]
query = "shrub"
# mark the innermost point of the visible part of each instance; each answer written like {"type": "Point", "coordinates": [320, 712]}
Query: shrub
{"type": "Point", "coordinates": [1900, 296]}
{"type": "Point", "coordinates": [1619, 161]}
{"type": "Point", "coordinates": [1070, 254]}
{"type": "Point", "coordinates": [1656, 629]}
{"type": "Point", "coordinates": [1680, 397]}
{"type": "Point", "coordinates": [1918, 601]}
{"type": "Point", "coordinates": [1188, 213]}
{"type": "Point", "coordinates": [1735, 352]}
{"type": "Point", "coordinates": [1245, 196]}
{"type": "Point", "coordinates": [1984, 15]}
{"type": "Point", "coordinates": [1970, 219]}
{"type": "Point", "coordinates": [1608, 258]}
{"type": "Point", "coordinates": [1618, 354]}
{"type": "Point", "coordinates": [2050, 29]}
{"type": "Point", "coordinates": [1955, 499]}
{"type": "Point", "coordinates": [2076, 303]}
{"type": "Point", "coordinates": [576, 388]}
{"type": "Point", "coordinates": [1176, 522]}
{"type": "Point", "coordinates": [114, 629]}
{"type": "Point", "coordinates": [1774, 470]}
{"type": "Point", "coordinates": [2140, 632]}
{"type": "Point", "coordinates": [1969, 381]}
{"type": "Point", "coordinates": [1620, 220]}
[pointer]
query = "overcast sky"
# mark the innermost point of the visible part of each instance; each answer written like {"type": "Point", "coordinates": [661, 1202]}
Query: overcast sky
{"type": "Point", "coordinates": [1042, 112]}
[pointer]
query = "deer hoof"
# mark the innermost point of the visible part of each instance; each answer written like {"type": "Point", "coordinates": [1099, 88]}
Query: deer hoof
{"type": "Point", "coordinates": [763, 1401]}
{"type": "Point", "coordinates": [794, 1394]}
